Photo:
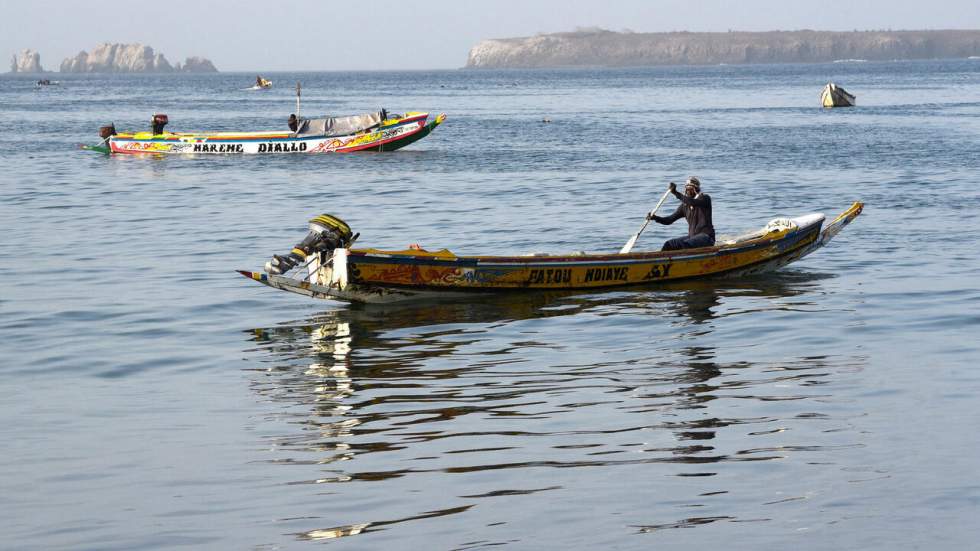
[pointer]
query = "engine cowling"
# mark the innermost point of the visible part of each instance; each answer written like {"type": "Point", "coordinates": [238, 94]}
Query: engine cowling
{"type": "Point", "coordinates": [327, 232]}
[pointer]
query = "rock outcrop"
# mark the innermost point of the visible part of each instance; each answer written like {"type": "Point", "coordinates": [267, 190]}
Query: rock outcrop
{"type": "Point", "coordinates": [27, 61]}
{"type": "Point", "coordinates": [113, 58]}
{"type": "Point", "coordinates": [117, 58]}
{"type": "Point", "coordinates": [196, 65]}
{"type": "Point", "coordinates": [612, 49]}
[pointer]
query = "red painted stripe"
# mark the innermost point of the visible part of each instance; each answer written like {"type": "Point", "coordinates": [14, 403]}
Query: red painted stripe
{"type": "Point", "coordinates": [406, 120]}
{"type": "Point", "coordinates": [242, 138]}
{"type": "Point", "coordinates": [412, 118]}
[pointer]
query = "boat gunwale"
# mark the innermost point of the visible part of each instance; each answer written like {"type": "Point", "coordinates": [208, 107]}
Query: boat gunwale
{"type": "Point", "coordinates": [397, 257]}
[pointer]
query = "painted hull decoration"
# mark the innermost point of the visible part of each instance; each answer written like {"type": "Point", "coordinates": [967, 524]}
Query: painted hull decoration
{"type": "Point", "coordinates": [835, 96]}
{"type": "Point", "coordinates": [390, 134]}
{"type": "Point", "coordinates": [375, 276]}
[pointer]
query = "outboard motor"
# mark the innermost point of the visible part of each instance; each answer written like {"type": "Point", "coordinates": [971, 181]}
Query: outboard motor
{"type": "Point", "coordinates": [106, 131]}
{"type": "Point", "coordinates": [158, 121]}
{"type": "Point", "coordinates": [293, 122]}
{"type": "Point", "coordinates": [326, 234]}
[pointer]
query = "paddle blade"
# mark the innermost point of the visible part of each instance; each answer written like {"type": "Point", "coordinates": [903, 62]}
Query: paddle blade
{"type": "Point", "coordinates": [629, 244]}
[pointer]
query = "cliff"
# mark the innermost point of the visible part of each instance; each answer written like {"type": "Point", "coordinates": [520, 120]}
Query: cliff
{"type": "Point", "coordinates": [607, 48]}
{"type": "Point", "coordinates": [129, 58]}
{"type": "Point", "coordinates": [196, 65]}
{"type": "Point", "coordinates": [27, 61]}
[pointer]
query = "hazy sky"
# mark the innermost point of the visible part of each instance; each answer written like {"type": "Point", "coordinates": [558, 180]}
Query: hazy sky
{"type": "Point", "coordinates": [268, 35]}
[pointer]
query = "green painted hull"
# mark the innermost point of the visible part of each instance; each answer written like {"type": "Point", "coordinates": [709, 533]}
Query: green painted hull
{"type": "Point", "coordinates": [98, 148]}
{"type": "Point", "coordinates": [411, 139]}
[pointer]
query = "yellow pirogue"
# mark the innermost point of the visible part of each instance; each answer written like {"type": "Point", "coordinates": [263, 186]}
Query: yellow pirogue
{"type": "Point", "coordinates": [376, 276]}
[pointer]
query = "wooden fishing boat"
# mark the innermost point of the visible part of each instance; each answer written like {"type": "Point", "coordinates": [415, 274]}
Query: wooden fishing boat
{"type": "Point", "coordinates": [377, 276]}
{"type": "Point", "coordinates": [835, 96]}
{"type": "Point", "coordinates": [378, 131]}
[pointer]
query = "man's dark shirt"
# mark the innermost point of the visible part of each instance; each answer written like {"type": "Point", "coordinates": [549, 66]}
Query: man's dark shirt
{"type": "Point", "coordinates": [697, 212]}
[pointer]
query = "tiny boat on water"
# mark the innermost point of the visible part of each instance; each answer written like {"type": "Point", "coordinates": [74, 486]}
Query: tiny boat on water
{"type": "Point", "coordinates": [261, 84]}
{"type": "Point", "coordinates": [325, 266]}
{"type": "Point", "coordinates": [378, 131]}
{"type": "Point", "coordinates": [835, 96]}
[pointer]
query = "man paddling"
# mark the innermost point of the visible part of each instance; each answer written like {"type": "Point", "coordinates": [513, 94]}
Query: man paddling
{"type": "Point", "coordinates": [695, 207]}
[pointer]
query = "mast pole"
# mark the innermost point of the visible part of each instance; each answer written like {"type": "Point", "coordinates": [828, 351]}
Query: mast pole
{"type": "Point", "coordinates": [297, 99]}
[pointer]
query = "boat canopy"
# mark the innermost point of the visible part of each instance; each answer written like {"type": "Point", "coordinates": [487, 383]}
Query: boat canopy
{"type": "Point", "coordinates": [339, 126]}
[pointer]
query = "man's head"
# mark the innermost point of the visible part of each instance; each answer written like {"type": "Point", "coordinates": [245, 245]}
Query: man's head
{"type": "Point", "coordinates": [692, 187]}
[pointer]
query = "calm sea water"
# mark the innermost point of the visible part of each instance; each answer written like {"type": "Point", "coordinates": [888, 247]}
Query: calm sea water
{"type": "Point", "coordinates": [152, 398]}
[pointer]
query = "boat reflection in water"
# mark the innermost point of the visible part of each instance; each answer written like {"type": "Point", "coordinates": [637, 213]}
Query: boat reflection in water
{"type": "Point", "coordinates": [400, 410]}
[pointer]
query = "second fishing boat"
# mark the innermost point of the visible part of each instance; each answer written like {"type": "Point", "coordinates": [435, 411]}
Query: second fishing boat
{"type": "Point", "coordinates": [377, 131]}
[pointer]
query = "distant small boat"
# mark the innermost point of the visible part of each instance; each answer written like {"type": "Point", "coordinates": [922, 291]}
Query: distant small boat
{"type": "Point", "coordinates": [835, 96]}
{"type": "Point", "coordinates": [261, 84]}
{"type": "Point", "coordinates": [46, 82]}
{"type": "Point", "coordinates": [325, 265]}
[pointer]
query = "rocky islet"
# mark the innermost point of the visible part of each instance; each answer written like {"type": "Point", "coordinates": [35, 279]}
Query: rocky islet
{"type": "Point", "coordinates": [113, 58]}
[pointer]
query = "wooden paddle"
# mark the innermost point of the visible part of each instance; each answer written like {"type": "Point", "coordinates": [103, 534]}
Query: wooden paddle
{"type": "Point", "coordinates": [629, 244]}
